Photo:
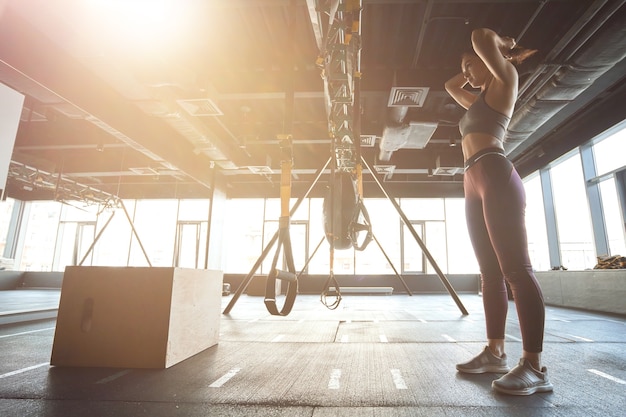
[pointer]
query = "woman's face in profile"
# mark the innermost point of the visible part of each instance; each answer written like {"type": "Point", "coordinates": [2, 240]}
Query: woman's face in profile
{"type": "Point", "coordinates": [473, 69]}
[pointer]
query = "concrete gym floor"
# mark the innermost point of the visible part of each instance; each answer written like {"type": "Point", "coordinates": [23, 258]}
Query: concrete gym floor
{"type": "Point", "coordinates": [373, 356]}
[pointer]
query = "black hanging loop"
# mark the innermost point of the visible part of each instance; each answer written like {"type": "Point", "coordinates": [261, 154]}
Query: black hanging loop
{"type": "Point", "coordinates": [356, 228]}
{"type": "Point", "coordinates": [289, 276]}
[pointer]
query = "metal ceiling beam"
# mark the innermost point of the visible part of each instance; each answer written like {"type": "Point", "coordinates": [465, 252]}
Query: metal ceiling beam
{"type": "Point", "coordinates": [422, 34]}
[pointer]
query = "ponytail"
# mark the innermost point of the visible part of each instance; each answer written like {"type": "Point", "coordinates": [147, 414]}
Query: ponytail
{"type": "Point", "coordinates": [519, 54]}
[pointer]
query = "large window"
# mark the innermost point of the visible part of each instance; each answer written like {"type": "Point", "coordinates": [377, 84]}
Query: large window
{"type": "Point", "coordinates": [243, 234]}
{"type": "Point", "coordinates": [461, 258]}
{"type": "Point", "coordinates": [572, 214]}
{"type": "Point", "coordinates": [155, 223]}
{"type": "Point", "coordinates": [609, 152]}
{"type": "Point", "coordinates": [75, 236]}
{"type": "Point", "coordinates": [536, 225]}
{"type": "Point", "coordinates": [613, 218]}
{"type": "Point", "coordinates": [427, 217]}
{"type": "Point", "coordinates": [115, 233]}
{"type": "Point", "coordinates": [36, 252]}
{"type": "Point", "coordinates": [6, 212]}
{"type": "Point", "coordinates": [609, 158]}
{"type": "Point", "coordinates": [191, 232]}
{"type": "Point", "coordinates": [385, 228]}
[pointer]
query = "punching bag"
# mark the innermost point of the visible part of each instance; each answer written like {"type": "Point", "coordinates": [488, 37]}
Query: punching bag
{"type": "Point", "coordinates": [340, 205]}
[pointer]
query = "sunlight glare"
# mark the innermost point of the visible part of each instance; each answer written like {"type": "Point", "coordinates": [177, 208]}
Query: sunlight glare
{"type": "Point", "coordinates": [140, 20]}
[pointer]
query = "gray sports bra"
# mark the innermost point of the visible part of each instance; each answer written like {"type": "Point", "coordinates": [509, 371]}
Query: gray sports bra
{"type": "Point", "coordinates": [480, 118]}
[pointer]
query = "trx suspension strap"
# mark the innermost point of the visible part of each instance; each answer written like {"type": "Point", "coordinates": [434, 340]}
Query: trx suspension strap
{"type": "Point", "coordinates": [284, 242]}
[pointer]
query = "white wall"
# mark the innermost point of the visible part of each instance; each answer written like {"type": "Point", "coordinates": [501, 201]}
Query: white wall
{"type": "Point", "coordinates": [11, 103]}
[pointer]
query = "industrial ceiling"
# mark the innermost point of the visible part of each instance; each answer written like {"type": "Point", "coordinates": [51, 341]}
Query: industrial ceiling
{"type": "Point", "coordinates": [170, 99]}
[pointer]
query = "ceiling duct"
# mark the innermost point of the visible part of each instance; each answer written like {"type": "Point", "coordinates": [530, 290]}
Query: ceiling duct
{"type": "Point", "coordinates": [144, 171]}
{"type": "Point", "coordinates": [368, 141]}
{"type": "Point", "coordinates": [398, 133]}
{"type": "Point", "coordinates": [385, 170]}
{"type": "Point", "coordinates": [584, 60]}
{"type": "Point", "coordinates": [168, 107]}
{"type": "Point", "coordinates": [448, 165]}
{"type": "Point", "coordinates": [412, 135]}
{"type": "Point", "coordinates": [260, 170]}
{"type": "Point", "coordinates": [200, 107]}
{"type": "Point", "coordinates": [407, 96]}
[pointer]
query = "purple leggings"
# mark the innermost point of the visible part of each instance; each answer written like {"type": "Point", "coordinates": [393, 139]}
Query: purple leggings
{"type": "Point", "coordinates": [495, 203]}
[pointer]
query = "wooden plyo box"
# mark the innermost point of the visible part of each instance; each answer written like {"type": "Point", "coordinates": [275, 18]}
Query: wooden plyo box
{"type": "Point", "coordinates": [136, 317]}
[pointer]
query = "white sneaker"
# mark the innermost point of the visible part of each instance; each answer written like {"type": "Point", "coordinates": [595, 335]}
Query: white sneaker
{"type": "Point", "coordinates": [523, 380]}
{"type": "Point", "coordinates": [484, 362]}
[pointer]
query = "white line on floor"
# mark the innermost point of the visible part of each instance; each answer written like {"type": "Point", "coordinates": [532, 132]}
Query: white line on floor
{"type": "Point", "coordinates": [383, 338]}
{"type": "Point", "coordinates": [584, 339]}
{"type": "Point", "coordinates": [335, 376]}
{"type": "Point", "coordinates": [300, 321]}
{"type": "Point", "coordinates": [517, 339]}
{"type": "Point", "coordinates": [278, 338]}
{"type": "Point", "coordinates": [607, 376]}
{"type": "Point", "coordinates": [253, 320]}
{"type": "Point", "coordinates": [448, 338]}
{"type": "Point", "coordinates": [19, 371]}
{"type": "Point", "coordinates": [563, 320]}
{"type": "Point", "coordinates": [225, 378]}
{"type": "Point", "coordinates": [345, 338]}
{"type": "Point", "coordinates": [397, 379]}
{"type": "Point", "coordinates": [29, 332]}
{"type": "Point", "coordinates": [422, 321]}
{"type": "Point", "coordinates": [114, 376]}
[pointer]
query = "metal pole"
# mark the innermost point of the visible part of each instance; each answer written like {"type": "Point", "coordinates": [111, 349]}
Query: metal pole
{"type": "Point", "coordinates": [96, 239]}
{"type": "Point", "coordinates": [406, 287]}
{"type": "Point", "coordinates": [419, 241]}
{"type": "Point", "coordinates": [132, 226]}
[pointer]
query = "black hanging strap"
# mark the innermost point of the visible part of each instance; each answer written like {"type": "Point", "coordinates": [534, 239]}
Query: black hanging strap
{"type": "Point", "coordinates": [284, 242]}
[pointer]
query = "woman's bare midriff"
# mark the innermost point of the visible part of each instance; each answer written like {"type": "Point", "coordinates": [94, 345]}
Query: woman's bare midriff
{"type": "Point", "coordinates": [475, 142]}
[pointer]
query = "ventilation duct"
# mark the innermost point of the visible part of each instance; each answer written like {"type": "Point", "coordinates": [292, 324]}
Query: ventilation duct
{"type": "Point", "coordinates": [414, 135]}
{"type": "Point", "coordinates": [407, 96]}
{"type": "Point", "coordinates": [448, 165]}
{"type": "Point", "coordinates": [368, 141]}
{"type": "Point", "coordinates": [399, 134]}
{"type": "Point", "coordinates": [200, 107]}
{"type": "Point", "coordinates": [593, 59]}
{"type": "Point", "coordinates": [144, 171]}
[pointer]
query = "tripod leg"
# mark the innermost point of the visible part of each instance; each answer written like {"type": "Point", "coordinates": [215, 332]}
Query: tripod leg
{"type": "Point", "coordinates": [406, 287]}
{"type": "Point", "coordinates": [242, 287]}
{"type": "Point", "coordinates": [419, 241]}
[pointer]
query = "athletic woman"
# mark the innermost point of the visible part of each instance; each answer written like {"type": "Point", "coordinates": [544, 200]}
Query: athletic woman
{"type": "Point", "coordinates": [494, 204]}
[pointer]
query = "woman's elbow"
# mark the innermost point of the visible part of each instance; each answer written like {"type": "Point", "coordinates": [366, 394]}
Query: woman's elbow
{"type": "Point", "coordinates": [481, 35]}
